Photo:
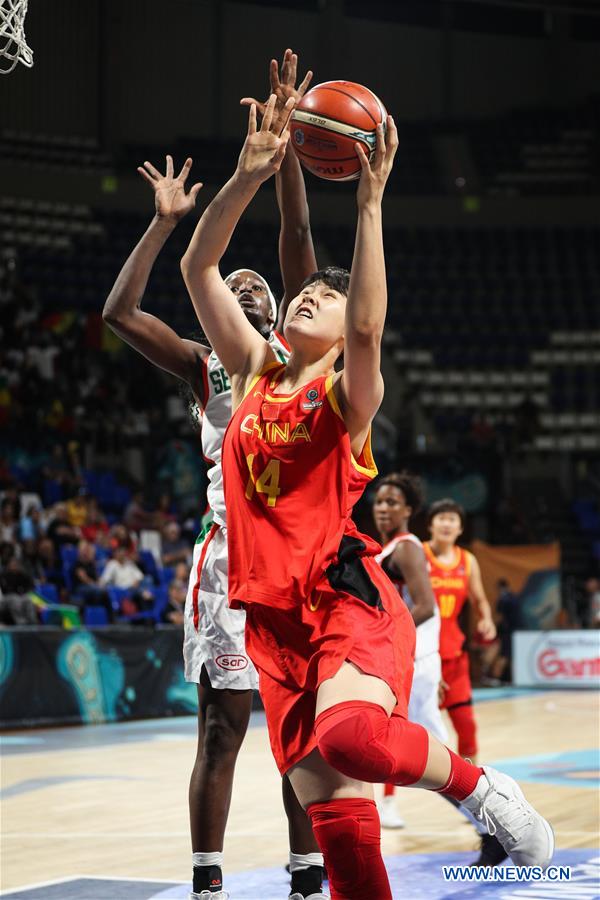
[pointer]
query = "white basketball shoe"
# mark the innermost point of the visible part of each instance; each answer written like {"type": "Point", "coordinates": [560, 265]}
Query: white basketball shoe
{"type": "Point", "coordinates": [310, 897]}
{"type": "Point", "coordinates": [498, 802]}
{"type": "Point", "coordinates": [388, 813]}
{"type": "Point", "coordinates": [206, 895]}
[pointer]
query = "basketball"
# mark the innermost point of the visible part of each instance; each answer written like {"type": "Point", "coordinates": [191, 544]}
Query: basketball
{"type": "Point", "coordinates": [326, 124]}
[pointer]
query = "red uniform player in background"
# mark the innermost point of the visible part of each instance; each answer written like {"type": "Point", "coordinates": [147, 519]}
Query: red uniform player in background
{"type": "Point", "coordinates": [455, 578]}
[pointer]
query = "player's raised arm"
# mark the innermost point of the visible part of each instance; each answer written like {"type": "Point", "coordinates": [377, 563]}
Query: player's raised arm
{"type": "Point", "coordinates": [237, 344]}
{"type": "Point", "coordinates": [122, 311]}
{"type": "Point", "coordinates": [361, 383]}
{"type": "Point", "coordinates": [485, 624]}
{"type": "Point", "coordinates": [409, 559]}
{"type": "Point", "coordinates": [296, 252]}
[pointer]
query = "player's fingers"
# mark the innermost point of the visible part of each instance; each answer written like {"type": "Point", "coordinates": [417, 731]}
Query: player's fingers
{"type": "Point", "coordinates": [379, 146]}
{"type": "Point", "coordinates": [362, 156]}
{"type": "Point", "coordinates": [185, 170]}
{"type": "Point", "coordinates": [146, 176]}
{"type": "Point", "coordinates": [274, 75]}
{"type": "Point", "coordinates": [280, 152]}
{"type": "Point", "coordinates": [268, 115]}
{"type": "Point", "coordinates": [293, 68]}
{"type": "Point", "coordinates": [252, 119]}
{"type": "Point", "coordinates": [288, 109]}
{"type": "Point", "coordinates": [150, 168]}
{"type": "Point", "coordinates": [285, 67]}
{"type": "Point", "coordinates": [305, 83]}
{"type": "Point", "coordinates": [194, 190]}
{"type": "Point", "coordinates": [169, 161]}
{"type": "Point", "coordinates": [391, 137]}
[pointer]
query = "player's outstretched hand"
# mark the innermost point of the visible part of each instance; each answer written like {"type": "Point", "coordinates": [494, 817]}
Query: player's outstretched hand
{"type": "Point", "coordinates": [283, 86]}
{"type": "Point", "coordinates": [170, 198]}
{"type": "Point", "coordinates": [375, 174]}
{"type": "Point", "coordinates": [264, 147]}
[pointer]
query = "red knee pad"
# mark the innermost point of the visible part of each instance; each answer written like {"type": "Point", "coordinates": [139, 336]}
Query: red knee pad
{"type": "Point", "coordinates": [463, 719]}
{"type": "Point", "coordinates": [348, 833]}
{"type": "Point", "coordinates": [360, 740]}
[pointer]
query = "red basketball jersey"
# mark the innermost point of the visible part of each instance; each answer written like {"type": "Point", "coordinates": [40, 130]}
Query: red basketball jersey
{"type": "Point", "coordinates": [451, 588]}
{"type": "Point", "coordinates": [291, 482]}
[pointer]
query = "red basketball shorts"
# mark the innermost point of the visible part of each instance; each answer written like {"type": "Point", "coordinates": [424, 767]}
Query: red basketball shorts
{"type": "Point", "coordinates": [296, 650]}
{"type": "Point", "coordinates": [455, 673]}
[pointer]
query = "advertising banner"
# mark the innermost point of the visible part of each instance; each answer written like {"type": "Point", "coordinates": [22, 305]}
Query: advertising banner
{"type": "Point", "coordinates": [556, 658]}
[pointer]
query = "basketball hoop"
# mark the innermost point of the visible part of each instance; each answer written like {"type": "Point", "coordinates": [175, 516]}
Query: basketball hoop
{"type": "Point", "coordinates": [13, 46]}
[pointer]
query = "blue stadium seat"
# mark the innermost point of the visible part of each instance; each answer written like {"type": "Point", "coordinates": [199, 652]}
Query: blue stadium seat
{"type": "Point", "coordinates": [95, 615]}
{"type": "Point", "coordinates": [48, 591]}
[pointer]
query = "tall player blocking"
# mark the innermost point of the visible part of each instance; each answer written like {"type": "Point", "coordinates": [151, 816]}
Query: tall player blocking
{"type": "Point", "coordinates": [324, 627]}
{"type": "Point", "coordinates": [211, 628]}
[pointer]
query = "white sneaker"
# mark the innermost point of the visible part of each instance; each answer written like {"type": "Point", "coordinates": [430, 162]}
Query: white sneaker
{"type": "Point", "coordinates": [388, 814]}
{"type": "Point", "coordinates": [310, 897]}
{"type": "Point", "coordinates": [498, 802]}
{"type": "Point", "coordinates": [206, 895]}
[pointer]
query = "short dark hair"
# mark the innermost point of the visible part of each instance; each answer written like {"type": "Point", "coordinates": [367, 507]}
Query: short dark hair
{"type": "Point", "coordinates": [409, 484]}
{"type": "Point", "coordinates": [446, 505]}
{"type": "Point", "coordinates": [333, 277]}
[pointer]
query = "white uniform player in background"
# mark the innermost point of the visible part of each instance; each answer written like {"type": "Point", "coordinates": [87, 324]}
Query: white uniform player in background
{"type": "Point", "coordinates": [403, 559]}
{"type": "Point", "coordinates": [214, 651]}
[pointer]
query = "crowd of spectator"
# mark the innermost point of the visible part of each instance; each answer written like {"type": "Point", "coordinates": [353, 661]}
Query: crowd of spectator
{"type": "Point", "coordinates": [72, 557]}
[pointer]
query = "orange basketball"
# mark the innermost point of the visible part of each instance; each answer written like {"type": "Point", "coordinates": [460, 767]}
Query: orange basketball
{"type": "Point", "coordinates": [328, 121]}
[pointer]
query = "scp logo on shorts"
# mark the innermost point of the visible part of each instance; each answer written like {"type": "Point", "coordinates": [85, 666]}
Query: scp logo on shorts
{"type": "Point", "coordinates": [233, 662]}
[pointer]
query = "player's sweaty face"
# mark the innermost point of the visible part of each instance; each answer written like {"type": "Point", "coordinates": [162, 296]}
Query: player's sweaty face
{"type": "Point", "coordinates": [446, 526]}
{"type": "Point", "coordinates": [390, 509]}
{"type": "Point", "coordinates": [252, 295]}
{"type": "Point", "coordinates": [318, 311]}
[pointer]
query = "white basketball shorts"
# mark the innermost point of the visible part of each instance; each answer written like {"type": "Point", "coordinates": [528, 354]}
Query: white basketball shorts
{"type": "Point", "coordinates": [214, 633]}
{"type": "Point", "coordinates": [423, 704]}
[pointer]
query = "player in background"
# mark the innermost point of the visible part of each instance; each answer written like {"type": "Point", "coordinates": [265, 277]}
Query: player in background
{"type": "Point", "coordinates": [456, 578]}
{"type": "Point", "coordinates": [403, 559]}
{"type": "Point", "coordinates": [332, 643]}
{"type": "Point", "coordinates": [214, 634]}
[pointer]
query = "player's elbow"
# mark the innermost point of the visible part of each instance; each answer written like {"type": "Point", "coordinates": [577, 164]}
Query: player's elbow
{"type": "Point", "coordinates": [366, 332]}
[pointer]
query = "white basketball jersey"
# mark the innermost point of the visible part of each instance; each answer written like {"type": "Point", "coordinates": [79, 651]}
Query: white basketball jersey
{"type": "Point", "coordinates": [216, 413]}
{"type": "Point", "coordinates": [428, 632]}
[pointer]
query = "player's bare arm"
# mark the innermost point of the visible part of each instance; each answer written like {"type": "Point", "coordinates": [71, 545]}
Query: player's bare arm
{"type": "Point", "coordinates": [409, 560]}
{"type": "Point", "coordinates": [122, 311]}
{"type": "Point", "coordinates": [296, 251]}
{"type": "Point", "coordinates": [238, 345]}
{"type": "Point", "coordinates": [485, 624]}
{"type": "Point", "coordinates": [360, 386]}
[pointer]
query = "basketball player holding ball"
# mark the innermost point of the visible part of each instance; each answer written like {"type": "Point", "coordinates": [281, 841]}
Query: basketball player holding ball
{"type": "Point", "coordinates": [332, 644]}
{"type": "Point", "coordinates": [212, 630]}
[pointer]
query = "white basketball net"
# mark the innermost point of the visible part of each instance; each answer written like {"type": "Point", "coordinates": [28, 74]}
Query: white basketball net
{"type": "Point", "coordinates": [13, 46]}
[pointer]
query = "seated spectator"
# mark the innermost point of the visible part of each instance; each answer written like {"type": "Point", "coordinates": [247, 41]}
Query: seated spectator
{"type": "Point", "coordinates": [86, 587]}
{"type": "Point", "coordinates": [508, 611]}
{"type": "Point", "coordinates": [60, 531]}
{"type": "Point", "coordinates": [136, 516]}
{"type": "Point", "coordinates": [119, 536]}
{"type": "Point", "coordinates": [122, 572]}
{"type": "Point", "coordinates": [181, 574]}
{"type": "Point", "coordinates": [163, 513]}
{"type": "Point", "coordinates": [8, 521]}
{"type": "Point", "coordinates": [77, 509]}
{"type": "Point", "coordinates": [175, 610]}
{"type": "Point", "coordinates": [174, 548]}
{"type": "Point", "coordinates": [96, 527]}
{"type": "Point", "coordinates": [30, 526]}
{"type": "Point", "coordinates": [16, 607]}
{"type": "Point", "coordinates": [49, 562]}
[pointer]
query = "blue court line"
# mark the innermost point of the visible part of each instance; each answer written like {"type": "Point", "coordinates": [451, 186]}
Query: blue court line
{"type": "Point", "coordinates": [37, 784]}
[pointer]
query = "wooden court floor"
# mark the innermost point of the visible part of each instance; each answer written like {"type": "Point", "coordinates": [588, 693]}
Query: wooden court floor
{"type": "Point", "coordinates": [112, 800]}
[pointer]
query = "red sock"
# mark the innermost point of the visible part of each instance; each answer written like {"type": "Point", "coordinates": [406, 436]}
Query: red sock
{"type": "Point", "coordinates": [388, 790]}
{"type": "Point", "coordinates": [360, 740]}
{"type": "Point", "coordinates": [349, 835]}
{"type": "Point", "coordinates": [462, 780]}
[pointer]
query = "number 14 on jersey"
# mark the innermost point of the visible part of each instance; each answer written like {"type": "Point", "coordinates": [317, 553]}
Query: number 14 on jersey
{"type": "Point", "coordinates": [266, 483]}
